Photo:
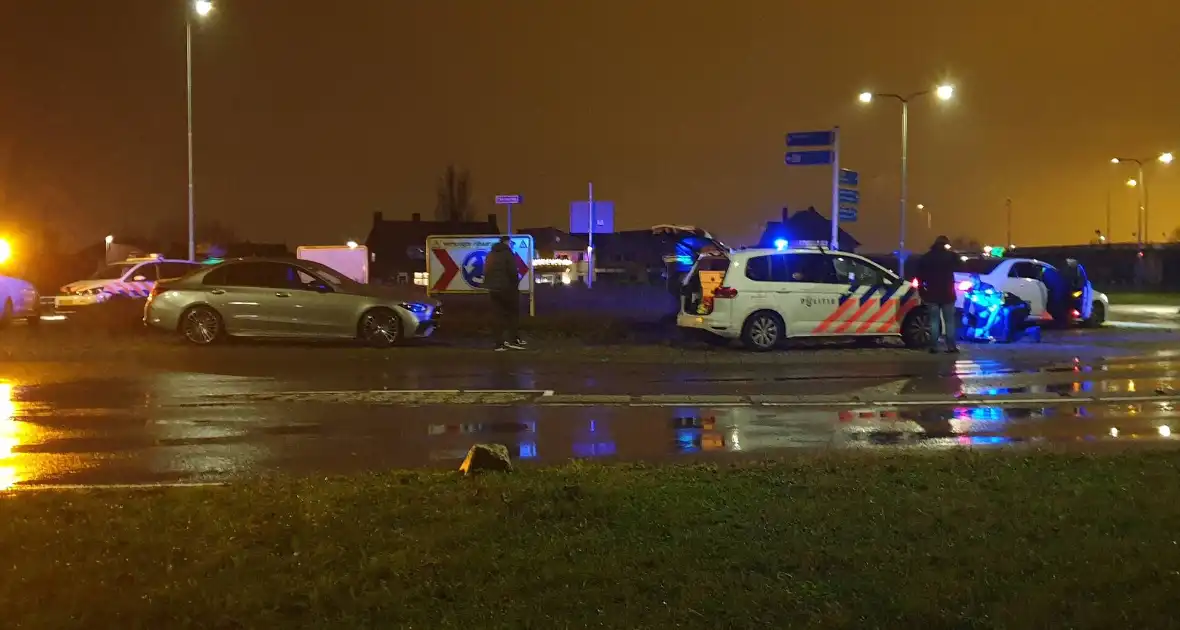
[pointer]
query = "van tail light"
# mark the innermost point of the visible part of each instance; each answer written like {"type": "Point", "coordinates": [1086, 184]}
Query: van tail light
{"type": "Point", "coordinates": [725, 293]}
{"type": "Point", "coordinates": [914, 283]}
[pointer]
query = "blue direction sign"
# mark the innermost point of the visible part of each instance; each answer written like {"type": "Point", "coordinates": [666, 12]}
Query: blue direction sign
{"type": "Point", "coordinates": [847, 214]}
{"type": "Point", "coordinates": [508, 200]}
{"type": "Point", "coordinates": [808, 158]}
{"type": "Point", "coordinates": [850, 197]}
{"type": "Point", "coordinates": [849, 178]}
{"type": "Point", "coordinates": [811, 139]}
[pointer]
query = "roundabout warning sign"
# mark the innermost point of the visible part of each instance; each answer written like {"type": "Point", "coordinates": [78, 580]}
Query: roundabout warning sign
{"type": "Point", "coordinates": [455, 264]}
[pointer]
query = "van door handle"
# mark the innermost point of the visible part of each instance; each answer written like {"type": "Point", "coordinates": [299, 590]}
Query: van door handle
{"type": "Point", "coordinates": [217, 292]}
{"type": "Point", "coordinates": [281, 294]}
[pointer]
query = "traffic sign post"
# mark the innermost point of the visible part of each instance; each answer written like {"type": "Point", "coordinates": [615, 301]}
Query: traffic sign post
{"type": "Point", "coordinates": [509, 200]}
{"type": "Point", "coordinates": [455, 264]}
{"type": "Point", "coordinates": [821, 157]}
{"type": "Point", "coordinates": [848, 195]}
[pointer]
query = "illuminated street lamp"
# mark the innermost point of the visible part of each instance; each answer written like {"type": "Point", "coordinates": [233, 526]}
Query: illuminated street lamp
{"type": "Point", "coordinates": [201, 8]}
{"type": "Point", "coordinates": [943, 92]}
{"type": "Point", "coordinates": [1141, 183]}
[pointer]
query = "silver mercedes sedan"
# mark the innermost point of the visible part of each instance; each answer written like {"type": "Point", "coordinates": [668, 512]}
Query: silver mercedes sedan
{"type": "Point", "coordinates": [264, 297]}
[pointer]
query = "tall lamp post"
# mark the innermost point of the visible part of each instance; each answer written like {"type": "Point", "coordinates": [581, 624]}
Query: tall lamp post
{"type": "Point", "coordinates": [1141, 183]}
{"type": "Point", "coordinates": [943, 92]}
{"type": "Point", "coordinates": [200, 8]}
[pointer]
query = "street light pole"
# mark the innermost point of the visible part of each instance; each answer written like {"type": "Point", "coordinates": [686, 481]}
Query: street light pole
{"type": "Point", "coordinates": [188, 58]}
{"type": "Point", "coordinates": [905, 178]}
{"type": "Point", "coordinates": [1141, 182]}
{"type": "Point", "coordinates": [201, 8]}
{"type": "Point", "coordinates": [943, 92]}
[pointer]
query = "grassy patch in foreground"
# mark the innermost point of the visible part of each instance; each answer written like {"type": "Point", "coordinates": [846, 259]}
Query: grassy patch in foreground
{"type": "Point", "coordinates": [917, 541]}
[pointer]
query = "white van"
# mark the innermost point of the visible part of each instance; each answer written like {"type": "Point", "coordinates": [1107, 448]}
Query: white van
{"type": "Point", "coordinates": [765, 296]}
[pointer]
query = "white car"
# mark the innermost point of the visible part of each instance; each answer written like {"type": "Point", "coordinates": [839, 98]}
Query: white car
{"type": "Point", "coordinates": [764, 296]}
{"type": "Point", "coordinates": [132, 278]}
{"type": "Point", "coordinates": [18, 299]}
{"type": "Point", "coordinates": [1026, 279]}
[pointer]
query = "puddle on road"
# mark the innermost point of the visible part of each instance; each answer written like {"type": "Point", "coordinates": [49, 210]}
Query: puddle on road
{"type": "Point", "coordinates": [189, 444]}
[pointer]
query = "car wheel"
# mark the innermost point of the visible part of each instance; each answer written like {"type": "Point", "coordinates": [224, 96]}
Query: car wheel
{"type": "Point", "coordinates": [1097, 316]}
{"type": "Point", "coordinates": [380, 328]}
{"type": "Point", "coordinates": [202, 326]}
{"type": "Point", "coordinates": [6, 316]}
{"type": "Point", "coordinates": [915, 329]}
{"type": "Point", "coordinates": [763, 331]}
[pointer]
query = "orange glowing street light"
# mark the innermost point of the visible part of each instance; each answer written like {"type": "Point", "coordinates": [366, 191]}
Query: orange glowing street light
{"type": "Point", "coordinates": [944, 93]}
{"type": "Point", "coordinates": [1141, 183]}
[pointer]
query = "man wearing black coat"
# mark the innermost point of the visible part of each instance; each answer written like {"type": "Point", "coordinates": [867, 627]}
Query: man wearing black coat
{"type": "Point", "coordinates": [936, 277]}
{"type": "Point", "coordinates": [502, 281]}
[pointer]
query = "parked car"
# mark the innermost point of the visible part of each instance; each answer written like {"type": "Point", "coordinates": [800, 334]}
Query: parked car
{"type": "Point", "coordinates": [260, 297]}
{"type": "Point", "coordinates": [765, 296]}
{"type": "Point", "coordinates": [131, 278]}
{"type": "Point", "coordinates": [1034, 282]}
{"type": "Point", "coordinates": [19, 299]}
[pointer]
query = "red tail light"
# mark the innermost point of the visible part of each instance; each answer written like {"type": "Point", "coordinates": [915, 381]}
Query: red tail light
{"type": "Point", "coordinates": [726, 293]}
{"type": "Point", "coordinates": [157, 290]}
{"type": "Point", "coordinates": [914, 283]}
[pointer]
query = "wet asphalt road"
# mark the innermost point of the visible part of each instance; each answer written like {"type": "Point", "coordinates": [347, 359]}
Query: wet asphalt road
{"type": "Point", "coordinates": [113, 410]}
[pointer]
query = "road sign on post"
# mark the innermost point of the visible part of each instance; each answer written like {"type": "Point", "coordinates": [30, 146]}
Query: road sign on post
{"type": "Point", "coordinates": [509, 200]}
{"type": "Point", "coordinates": [808, 158]}
{"type": "Point", "coordinates": [454, 264]}
{"type": "Point", "coordinates": [849, 196]}
{"type": "Point", "coordinates": [849, 179]}
{"type": "Point", "coordinates": [824, 138]}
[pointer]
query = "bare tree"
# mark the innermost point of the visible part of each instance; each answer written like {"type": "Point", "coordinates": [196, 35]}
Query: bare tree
{"type": "Point", "coordinates": [454, 196]}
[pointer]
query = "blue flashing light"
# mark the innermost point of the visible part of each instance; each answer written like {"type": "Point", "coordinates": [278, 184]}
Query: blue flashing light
{"type": "Point", "coordinates": [781, 243]}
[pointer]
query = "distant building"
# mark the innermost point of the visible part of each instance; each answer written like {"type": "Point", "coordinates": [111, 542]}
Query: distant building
{"type": "Point", "coordinates": [398, 247]}
{"type": "Point", "coordinates": [805, 226]}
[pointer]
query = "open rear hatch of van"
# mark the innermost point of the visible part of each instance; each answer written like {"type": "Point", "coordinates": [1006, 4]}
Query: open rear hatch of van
{"type": "Point", "coordinates": [696, 263]}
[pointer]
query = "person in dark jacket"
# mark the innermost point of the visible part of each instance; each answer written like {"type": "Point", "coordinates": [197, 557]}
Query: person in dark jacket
{"type": "Point", "coordinates": [936, 278]}
{"type": "Point", "coordinates": [502, 281]}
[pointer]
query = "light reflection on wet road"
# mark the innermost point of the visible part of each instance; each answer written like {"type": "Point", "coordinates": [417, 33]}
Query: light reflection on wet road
{"type": "Point", "coordinates": [41, 443]}
{"type": "Point", "coordinates": [169, 413]}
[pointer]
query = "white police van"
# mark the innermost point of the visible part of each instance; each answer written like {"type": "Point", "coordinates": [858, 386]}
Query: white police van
{"type": "Point", "coordinates": [765, 296]}
{"type": "Point", "coordinates": [131, 278]}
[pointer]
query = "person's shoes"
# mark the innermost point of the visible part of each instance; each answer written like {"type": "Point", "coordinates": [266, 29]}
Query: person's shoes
{"type": "Point", "coordinates": [934, 351]}
{"type": "Point", "coordinates": [952, 350]}
{"type": "Point", "coordinates": [515, 345]}
{"type": "Point", "coordinates": [520, 342]}
{"type": "Point", "coordinates": [504, 347]}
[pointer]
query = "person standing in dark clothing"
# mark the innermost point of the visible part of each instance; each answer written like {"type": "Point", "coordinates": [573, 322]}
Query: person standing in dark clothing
{"type": "Point", "coordinates": [936, 278]}
{"type": "Point", "coordinates": [502, 281]}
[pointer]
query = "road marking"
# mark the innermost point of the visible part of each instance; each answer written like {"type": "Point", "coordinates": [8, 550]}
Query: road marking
{"type": "Point", "coordinates": [549, 398]}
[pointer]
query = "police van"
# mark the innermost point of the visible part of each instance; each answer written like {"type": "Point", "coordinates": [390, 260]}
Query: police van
{"type": "Point", "coordinates": [765, 296]}
{"type": "Point", "coordinates": [131, 278]}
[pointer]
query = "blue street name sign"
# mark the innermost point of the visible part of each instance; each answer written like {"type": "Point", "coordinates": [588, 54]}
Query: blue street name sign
{"type": "Point", "coordinates": [850, 197]}
{"type": "Point", "coordinates": [849, 178]}
{"type": "Point", "coordinates": [847, 214]}
{"type": "Point", "coordinates": [808, 158]}
{"type": "Point", "coordinates": [811, 139]}
{"type": "Point", "coordinates": [508, 200]}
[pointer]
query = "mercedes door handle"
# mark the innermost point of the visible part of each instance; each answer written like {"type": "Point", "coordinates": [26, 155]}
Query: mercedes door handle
{"type": "Point", "coordinates": [281, 294]}
{"type": "Point", "coordinates": [217, 292]}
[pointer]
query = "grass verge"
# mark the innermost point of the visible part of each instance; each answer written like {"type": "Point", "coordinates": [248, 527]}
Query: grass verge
{"type": "Point", "coordinates": [969, 540]}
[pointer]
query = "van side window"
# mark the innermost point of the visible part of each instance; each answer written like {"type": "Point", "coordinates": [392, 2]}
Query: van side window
{"type": "Point", "coordinates": [758, 269]}
{"type": "Point", "coordinates": [814, 268]}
